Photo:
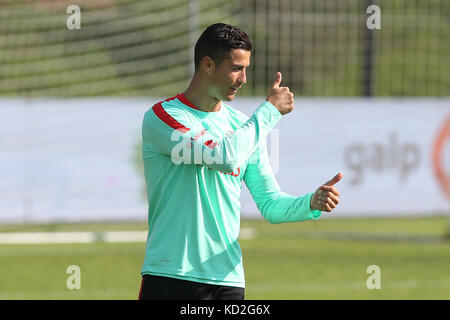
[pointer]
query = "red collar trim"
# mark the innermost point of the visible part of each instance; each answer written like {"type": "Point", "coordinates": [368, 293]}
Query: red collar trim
{"type": "Point", "coordinates": [185, 101]}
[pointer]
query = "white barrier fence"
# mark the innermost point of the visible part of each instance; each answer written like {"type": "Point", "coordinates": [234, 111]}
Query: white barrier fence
{"type": "Point", "coordinates": [72, 160]}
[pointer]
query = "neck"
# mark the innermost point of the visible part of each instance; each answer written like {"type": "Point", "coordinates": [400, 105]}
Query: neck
{"type": "Point", "coordinates": [197, 93]}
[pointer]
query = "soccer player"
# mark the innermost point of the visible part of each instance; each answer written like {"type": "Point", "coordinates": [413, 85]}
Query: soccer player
{"type": "Point", "coordinates": [197, 152]}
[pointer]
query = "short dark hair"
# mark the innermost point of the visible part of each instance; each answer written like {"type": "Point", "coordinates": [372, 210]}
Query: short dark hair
{"type": "Point", "coordinates": [218, 40]}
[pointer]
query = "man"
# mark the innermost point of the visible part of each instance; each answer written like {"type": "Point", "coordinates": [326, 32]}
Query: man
{"type": "Point", "coordinates": [197, 150]}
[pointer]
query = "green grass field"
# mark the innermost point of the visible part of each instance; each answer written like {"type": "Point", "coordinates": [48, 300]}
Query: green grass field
{"type": "Point", "coordinates": [325, 259]}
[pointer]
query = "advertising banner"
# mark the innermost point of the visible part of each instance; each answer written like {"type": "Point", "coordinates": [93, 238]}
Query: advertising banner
{"type": "Point", "coordinates": [78, 159]}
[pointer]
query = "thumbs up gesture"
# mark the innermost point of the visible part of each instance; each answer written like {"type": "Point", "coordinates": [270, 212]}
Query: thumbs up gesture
{"type": "Point", "coordinates": [280, 97]}
{"type": "Point", "coordinates": [326, 197]}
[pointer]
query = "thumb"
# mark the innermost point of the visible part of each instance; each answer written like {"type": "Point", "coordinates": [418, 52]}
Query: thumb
{"type": "Point", "coordinates": [277, 81]}
{"type": "Point", "coordinates": [335, 179]}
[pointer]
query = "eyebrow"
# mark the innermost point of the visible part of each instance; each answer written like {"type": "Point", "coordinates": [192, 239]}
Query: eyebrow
{"type": "Point", "coordinates": [239, 66]}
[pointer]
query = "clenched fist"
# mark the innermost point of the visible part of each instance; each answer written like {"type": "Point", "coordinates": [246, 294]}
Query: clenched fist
{"type": "Point", "coordinates": [281, 97]}
{"type": "Point", "coordinates": [326, 197]}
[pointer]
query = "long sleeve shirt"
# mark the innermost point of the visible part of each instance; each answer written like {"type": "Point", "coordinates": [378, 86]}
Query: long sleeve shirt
{"type": "Point", "coordinates": [195, 163]}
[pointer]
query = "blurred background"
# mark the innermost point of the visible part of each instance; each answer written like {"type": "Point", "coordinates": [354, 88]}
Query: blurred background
{"type": "Point", "coordinates": [372, 101]}
{"type": "Point", "coordinates": [145, 48]}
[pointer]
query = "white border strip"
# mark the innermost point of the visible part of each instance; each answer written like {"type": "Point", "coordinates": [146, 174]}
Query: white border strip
{"type": "Point", "coordinates": [71, 237]}
{"type": "Point", "coordinates": [87, 237]}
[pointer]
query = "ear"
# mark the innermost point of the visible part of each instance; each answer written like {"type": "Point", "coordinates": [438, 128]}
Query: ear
{"type": "Point", "coordinates": [208, 65]}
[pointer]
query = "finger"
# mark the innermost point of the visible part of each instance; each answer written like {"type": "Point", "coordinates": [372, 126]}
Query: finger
{"type": "Point", "coordinates": [277, 82]}
{"type": "Point", "coordinates": [327, 208]}
{"type": "Point", "coordinates": [331, 203]}
{"type": "Point", "coordinates": [335, 179]}
{"type": "Point", "coordinates": [330, 189]}
{"type": "Point", "coordinates": [328, 194]}
{"type": "Point", "coordinates": [322, 204]}
{"type": "Point", "coordinates": [333, 198]}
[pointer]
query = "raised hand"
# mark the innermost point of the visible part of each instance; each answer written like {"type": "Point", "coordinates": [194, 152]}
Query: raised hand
{"type": "Point", "coordinates": [280, 97]}
{"type": "Point", "coordinates": [326, 197]}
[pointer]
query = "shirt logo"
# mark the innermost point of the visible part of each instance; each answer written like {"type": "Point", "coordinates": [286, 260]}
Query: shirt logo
{"type": "Point", "coordinates": [232, 173]}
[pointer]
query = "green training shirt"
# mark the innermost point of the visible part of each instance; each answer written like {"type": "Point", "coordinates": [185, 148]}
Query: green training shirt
{"type": "Point", "coordinates": [194, 163]}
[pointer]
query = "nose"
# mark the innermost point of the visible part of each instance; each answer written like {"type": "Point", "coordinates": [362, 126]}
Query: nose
{"type": "Point", "coordinates": [242, 77]}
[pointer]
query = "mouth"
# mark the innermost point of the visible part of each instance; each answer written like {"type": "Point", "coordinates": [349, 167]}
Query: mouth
{"type": "Point", "coordinates": [234, 89]}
